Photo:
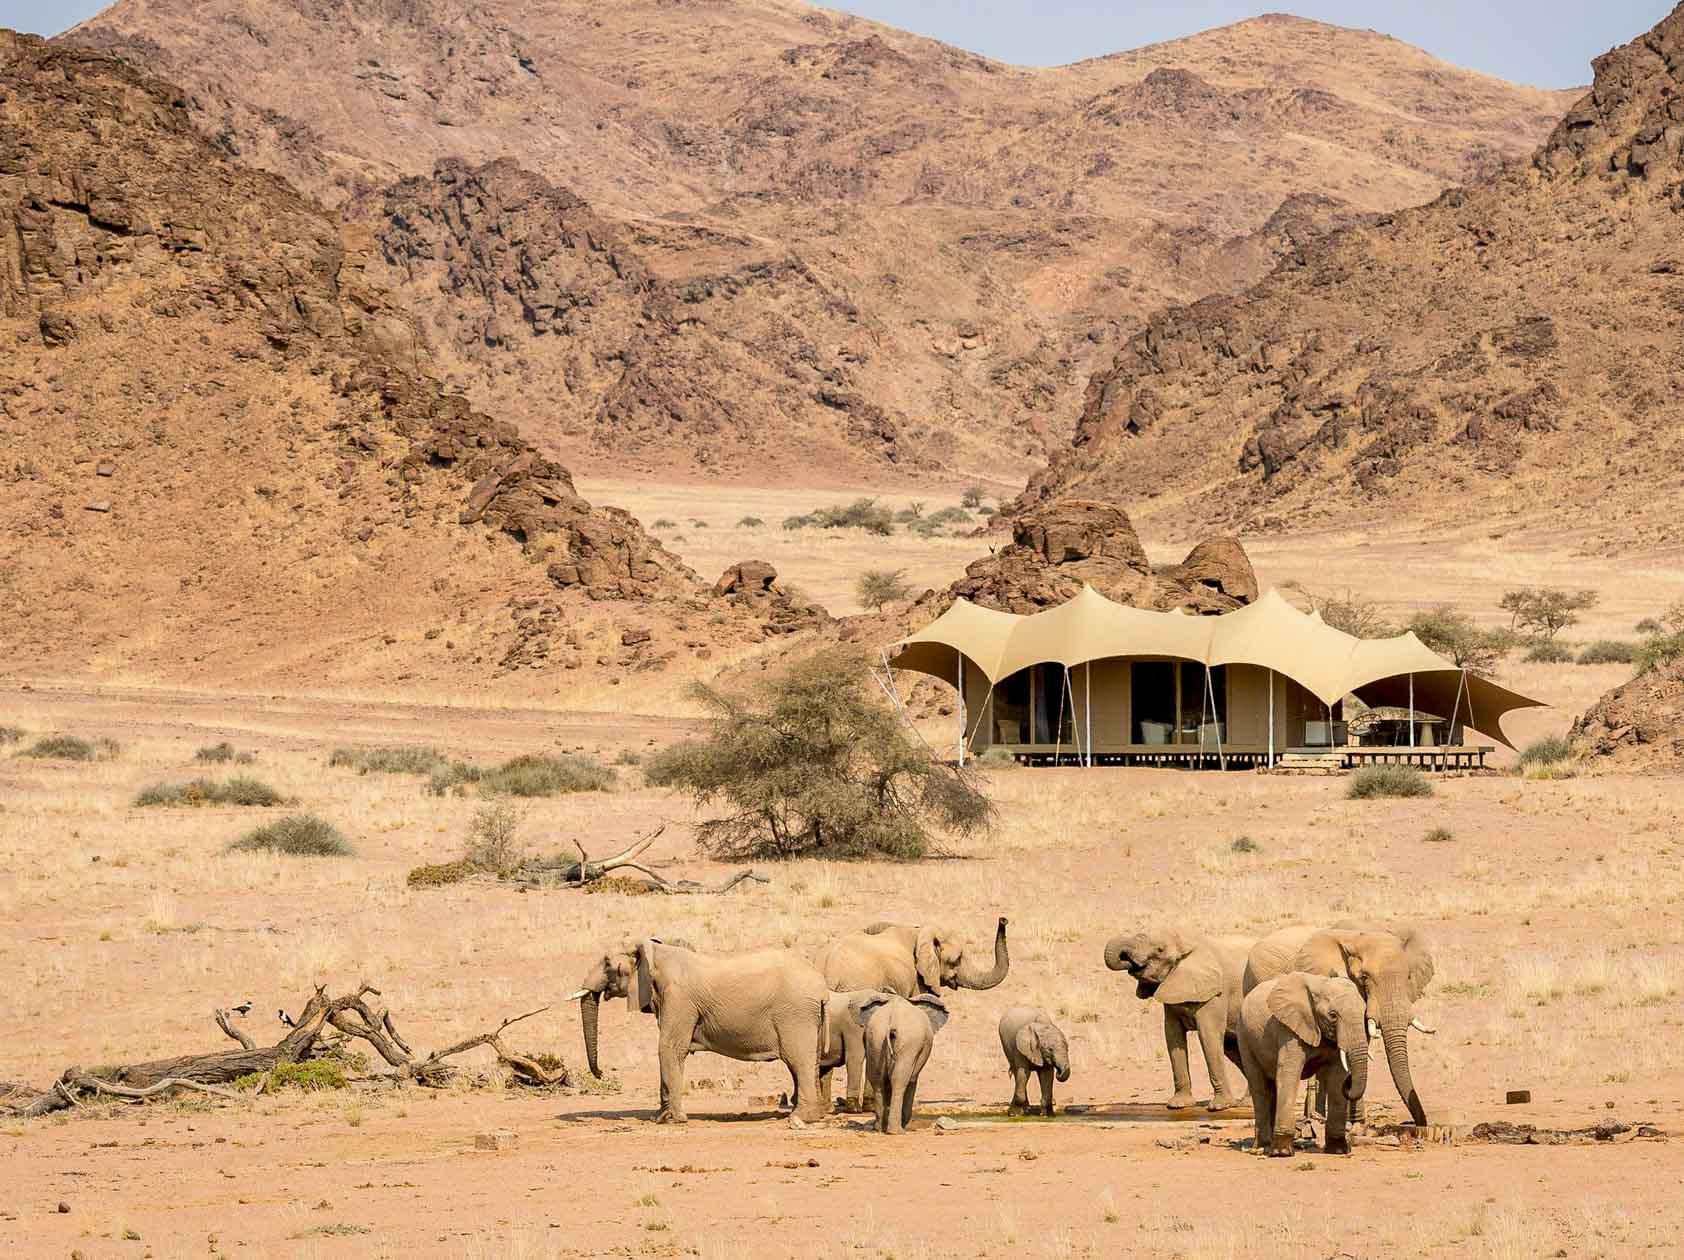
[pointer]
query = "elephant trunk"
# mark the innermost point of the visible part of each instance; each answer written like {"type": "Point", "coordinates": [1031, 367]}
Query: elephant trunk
{"type": "Point", "coordinates": [1115, 958]}
{"type": "Point", "coordinates": [1061, 1063]}
{"type": "Point", "coordinates": [1394, 1033]}
{"type": "Point", "coordinates": [1354, 1046]}
{"type": "Point", "coordinates": [587, 1015]}
{"type": "Point", "coordinates": [978, 977]}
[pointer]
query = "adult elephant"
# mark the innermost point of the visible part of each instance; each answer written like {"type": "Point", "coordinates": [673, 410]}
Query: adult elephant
{"type": "Point", "coordinates": [754, 1007]}
{"type": "Point", "coordinates": [1199, 980]}
{"type": "Point", "coordinates": [1390, 964]}
{"type": "Point", "coordinates": [904, 959]}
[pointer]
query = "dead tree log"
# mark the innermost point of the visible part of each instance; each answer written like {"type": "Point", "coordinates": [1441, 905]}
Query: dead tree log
{"type": "Point", "coordinates": [585, 871]}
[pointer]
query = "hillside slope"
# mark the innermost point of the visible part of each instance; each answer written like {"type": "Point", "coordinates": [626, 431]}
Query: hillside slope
{"type": "Point", "coordinates": [947, 244]}
{"type": "Point", "coordinates": [224, 458]}
{"type": "Point", "coordinates": [1510, 351]}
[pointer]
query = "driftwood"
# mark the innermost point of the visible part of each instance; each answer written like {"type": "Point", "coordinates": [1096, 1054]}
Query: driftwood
{"type": "Point", "coordinates": [326, 1024]}
{"type": "Point", "coordinates": [536, 874]}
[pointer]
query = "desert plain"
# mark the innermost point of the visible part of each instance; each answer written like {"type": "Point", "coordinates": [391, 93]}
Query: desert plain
{"type": "Point", "coordinates": [1554, 906]}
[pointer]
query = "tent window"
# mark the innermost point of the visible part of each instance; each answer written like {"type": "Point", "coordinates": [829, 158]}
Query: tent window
{"type": "Point", "coordinates": [1152, 689]}
{"type": "Point", "coordinates": [1011, 709]}
{"type": "Point", "coordinates": [1050, 701]}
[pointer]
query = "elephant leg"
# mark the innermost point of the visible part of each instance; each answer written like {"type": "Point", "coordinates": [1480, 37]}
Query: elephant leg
{"type": "Point", "coordinates": [1289, 1068]}
{"type": "Point", "coordinates": [1175, 1039]}
{"type": "Point", "coordinates": [824, 1089]}
{"type": "Point", "coordinates": [853, 1052]}
{"type": "Point", "coordinates": [1262, 1102]}
{"type": "Point", "coordinates": [1020, 1091]}
{"type": "Point", "coordinates": [676, 1032]}
{"type": "Point", "coordinates": [909, 1096]}
{"type": "Point", "coordinates": [1212, 1023]}
{"type": "Point", "coordinates": [1046, 1075]}
{"type": "Point", "coordinates": [883, 1107]}
{"type": "Point", "coordinates": [801, 1051]}
{"type": "Point", "coordinates": [1335, 1142]}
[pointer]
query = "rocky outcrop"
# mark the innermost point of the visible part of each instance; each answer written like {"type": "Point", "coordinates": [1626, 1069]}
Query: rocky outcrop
{"type": "Point", "coordinates": [1058, 549]}
{"type": "Point", "coordinates": [1639, 724]}
{"type": "Point", "coordinates": [753, 585]}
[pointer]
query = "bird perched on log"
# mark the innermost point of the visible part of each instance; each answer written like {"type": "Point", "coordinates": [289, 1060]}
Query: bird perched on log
{"type": "Point", "coordinates": [285, 1018]}
{"type": "Point", "coordinates": [243, 1009]}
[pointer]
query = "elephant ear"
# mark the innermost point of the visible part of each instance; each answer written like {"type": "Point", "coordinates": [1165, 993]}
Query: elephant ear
{"type": "Point", "coordinates": [1289, 1002]}
{"type": "Point", "coordinates": [1321, 955]}
{"type": "Point", "coordinates": [1196, 978]}
{"type": "Point", "coordinates": [864, 1006]}
{"type": "Point", "coordinates": [935, 1010]}
{"type": "Point", "coordinates": [1029, 1046]}
{"type": "Point", "coordinates": [641, 999]}
{"type": "Point", "coordinates": [926, 957]}
{"type": "Point", "coordinates": [1420, 956]}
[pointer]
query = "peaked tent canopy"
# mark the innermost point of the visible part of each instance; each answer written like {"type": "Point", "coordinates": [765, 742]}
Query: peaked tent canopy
{"type": "Point", "coordinates": [1269, 633]}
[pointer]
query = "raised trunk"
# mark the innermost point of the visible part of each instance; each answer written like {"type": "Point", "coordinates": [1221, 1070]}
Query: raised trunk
{"type": "Point", "coordinates": [1394, 1032]}
{"type": "Point", "coordinates": [1114, 959]}
{"type": "Point", "coordinates": [976, 977]}
{"type": "Point", "coordinates": [587, 1015]}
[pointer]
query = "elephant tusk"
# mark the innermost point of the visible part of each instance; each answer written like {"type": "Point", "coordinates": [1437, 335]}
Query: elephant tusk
{"type": "Point", "coordinates": [1345, 1062]}
{"type": "Point", "coordinates": [1418, 1026]}
{"type": "Point", "coordinates": [1373, 1029]}
{"type": "Point", "coordinates": [574, 997]}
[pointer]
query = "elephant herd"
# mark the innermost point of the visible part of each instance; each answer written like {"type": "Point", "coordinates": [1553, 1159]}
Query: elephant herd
{"type": "Point", "coordinates": [1302, 1003]}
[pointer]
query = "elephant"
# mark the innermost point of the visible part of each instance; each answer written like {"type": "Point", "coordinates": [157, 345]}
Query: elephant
{"type": "Point", "coordinates": [1198, 980]}
{"type": "Point", "coordinates": [842, 1027]}
{"type": "Point", "coordinates": [756, 1007]}
{"type": "Point", "coordinates": [898, 1037]}
{"type": "Point", "coordinates": [1033, 1043]}
{"type": "Point", "coordinates": [1294, 1027]}
{"type": "Point", "coordinates": [905, 960]}
{"type": "Point", "coordinates": [1391, 965]}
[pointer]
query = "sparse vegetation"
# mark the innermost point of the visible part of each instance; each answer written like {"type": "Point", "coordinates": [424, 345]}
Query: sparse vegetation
{"type": "Point", "coordinates": [73, 748]}
{"type": "Point", "coordinates": [240, 790]}
{"type": "Point", "coordinates": [221, 754]}
{"type": "Point", "coordinates": [1548, 652]}
{"type": "Point", "coordinates": [1346, 610]}
{"type": "Point", "coordinates": [1661, 650]}
{"type": "Point", "coordinates": [1244, 844]}
{"type": "Point", "coordinates": [297, 835]}
{"type": "Point", "coordinates": [1548, 751]}
{"type": "Point", "coordinates": [1608, 652]}
{"type": "Point", "coordinates": [664, 523]}
{"type": "Point", "coordinates": [877, 587]}
{"type": "Point", "coordinates": [998, 759]}
{"type": "Point", "coordinates": [972, 498]}
{"type": "Point", "coordinates": [750, 522]}
{"type": "Point", "coordinates": [1454, 634]}
{"type": "Point", "coordinates": [11, 734]}
{"type": "Point", "coordinates": [1649, 625]}
{"type": "Point", "coordinates": [1372, 782]}
{"type": "Point", "coordinates": [541, 774]}
{"type": "Point", "coordinates": [491, 839]}
{"type": "Point", "coordinates": [1438, 835]}
{"type": "Point", "coordinates": [939, 522]}
{"type": "Point", "coordinates": [1545, 611]}
{"type": "Point", "coordinates": [810, 764]}
{"type": "Point", "coordinates": [695, 524]}
{"type": "Point", "coordinates": [441, 874]}
{"type": "Point", "coordinates": [403, 759]}
{"type": "Point", "coordinates": [310, 1075]}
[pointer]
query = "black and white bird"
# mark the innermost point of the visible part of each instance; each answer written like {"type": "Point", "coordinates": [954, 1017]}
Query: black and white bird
{"type": "Point", "coordinates": [285, 1018]}
{"type": "Point", "coordinates": [243, 1009]}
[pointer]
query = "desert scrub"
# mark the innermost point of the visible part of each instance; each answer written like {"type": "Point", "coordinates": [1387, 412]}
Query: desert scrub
{"type": "Point", "coordinates": [1438, 835]}
{"type": "Point", "coordinates": [311, 1075]}
{"type": "Point", "coordinates": [221, 754]}
{"type": "Point", "coordinates": [404, 759]}
{"type": "Point", "coordinates": [1660, 650]}
{"type": "Point", "coordinates": [1548, 751]}
{"type": "Point", "coordinates": [876, 587]}
{"type": "Point", "coordinates": [491, 839]}
{"type": "Point", "coordinates": [866, 514]}
{"type": "Point", "coordinates": [1549, 652]}
{"type": "Point", "coordinates": [1244, 844]}
{"type": "Point", "coordinates": [539, 774]}
{"type": "Point", "coordinates": [750, 522]}
{"type": "Point", "coordinates": [998, 759]}
{"type": "Point", "coordinates": [297, 835]}
{"type": "Point", "coordinates": [1608, 652]}
{"type": "Point", "coordinates": [1380, 781]}
{"type": "Point", "coordinates": [239, 790]}
{"type": "Point", "coordinates": [73, 748]}
{"type": "Point", "coordinates": [441, 874]}
{"type": "Point", "coordinates": [11, 734]}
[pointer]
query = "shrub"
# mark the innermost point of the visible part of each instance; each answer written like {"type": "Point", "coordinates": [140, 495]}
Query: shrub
{"type": "Point", "coordinates": [1355, 614]}
{"type": "Point", "coordinates": [998, 759]}
{"type": "Point", "coordinates": [440, 875]}
{"type": "Point", "coordinates": [1455, 635]}
{"type": "Point", "coordinates": [11, 734]}
{"type": "Point", "coordinates": [972, 498]}
{"type": "Point", "coordinates": [491, 839]}
{"type": "Point", "coordinates": [450, 775]}
{"type": "Point", "coordinates": [1546, 751]}
{"type": "Point", "coordinates": [1377, 781]}
{"type": "Point", "coordinates": [221, 754]}
{"type": "Point", "coordinates": [236, 791]}
{"type": "Point", "coordinates": [810, 763]}
{"type": "Point", "coordinates": [1438, 835]}
{"type": "Point", "coordinates": [866, 514]}
{"type": "Point", "coordinates": [1661, 650]}
{"type": "Point", "coordinates": [750, 522]}
{"type": "Point", "coordinates": [1548, 652]}
{"type": "Point", "coordinates": [1608, 652]}
{"type": "Point", "coordinates": [1545, 610]}
{"type": "Point", "coordinates": [73, 748]}
{"type": "Point", "coordinates": [538, 774]}
{"type": "Point", "coordinates": [403, 759]}
{"type": "Point", "coordinates": [296, 835]}
{"type": "Point", "coordinates": [628, 757]}
{"type": "Point", "coordinates": [799, 522]}
{"type": "Point", "coordinates": [877, 587]}
{"type": "Point", "coordinates": [1649, 625]}
{"type": "Point", "coordinates": [911, 512]}
{"type": "Point", "coordinates": [310, 1075]}
{"type": "Point", "coordinates": [664, 523]}
{"type": "Point", "coordinates": [1553, 770]}
{"type": "Point", "coordinates": [1245, 844]}
{"type": "Point", "coordinates": [695, 524]}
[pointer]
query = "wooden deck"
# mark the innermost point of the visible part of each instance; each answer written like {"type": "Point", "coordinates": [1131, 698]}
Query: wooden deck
{"type": "Point", "coordinates": [1250, 756]}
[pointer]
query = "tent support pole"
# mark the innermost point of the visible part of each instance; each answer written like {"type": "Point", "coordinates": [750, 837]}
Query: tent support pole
{"type": "Point", "coordinates": [1215, 721]}
{"type": "Point", "coordinates": [1411, 709]}
{"type": "Point", "coordinates": [1087, 707]}
{"type": "Point", "coordinates": [1058, 725]}
{"type": "Point", "coordinates": [963, 716]}
{"type": "Point", "coordinates": [1271, 719]}
{"type": "Point", "coordinates": [1455, 709]}
{"type": "Point", "coordinates": [1075, 726]}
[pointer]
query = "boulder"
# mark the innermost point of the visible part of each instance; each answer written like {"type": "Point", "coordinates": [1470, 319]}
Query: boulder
{"type": "Point", "coordinates": [1222, 565]}
{"type": "Point", "coordinates": [746, 577]}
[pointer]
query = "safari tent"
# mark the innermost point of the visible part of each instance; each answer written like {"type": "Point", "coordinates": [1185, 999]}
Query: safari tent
{"type": "Point", "coordinates": [1097, 682]}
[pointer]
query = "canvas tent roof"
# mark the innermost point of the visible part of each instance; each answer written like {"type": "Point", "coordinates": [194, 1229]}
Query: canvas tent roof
{"type": "Point", "coordinates": [1270, 633]}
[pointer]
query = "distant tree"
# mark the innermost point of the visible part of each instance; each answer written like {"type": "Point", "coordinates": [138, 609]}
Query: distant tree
{"type": "Point", "coordinates": [811, 762]}
{"type": "Point", "coordinates": [877, 587]}
{"type": "Point", "coordinates": [1355, 614]}
{"type": "Point", "coordinates": [1545, 611]}
{"type": "Point", "coordinates": [1673, 617]}
{"type": "Point", "coordinates": [1455, 634]}
{"type": "Point", "coordinates": [916, 508]}
{"type": "Point", "coordinates": [972, 498]}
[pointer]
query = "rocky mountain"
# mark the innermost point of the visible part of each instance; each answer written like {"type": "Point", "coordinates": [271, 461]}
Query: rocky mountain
{"type": "Point", "coordinates": [1509, 352]}
{"type": "Point", "coordinates": [850, 252]}
{"type": "Point", "coordinates": [224, 455]}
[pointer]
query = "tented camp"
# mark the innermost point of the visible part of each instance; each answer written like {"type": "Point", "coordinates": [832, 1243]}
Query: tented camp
{"type": "Point", "coordinates": [1097, 682]}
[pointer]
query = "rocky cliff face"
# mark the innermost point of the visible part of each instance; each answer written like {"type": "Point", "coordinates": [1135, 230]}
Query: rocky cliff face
{"type": "Point", "coordinates": [224, 456]}
{"type": "Point", "coordinates": [1639, 725]}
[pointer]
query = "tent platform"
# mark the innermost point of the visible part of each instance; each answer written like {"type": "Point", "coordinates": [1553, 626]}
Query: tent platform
{"type": "Point", "coordinates": [1251, 756]}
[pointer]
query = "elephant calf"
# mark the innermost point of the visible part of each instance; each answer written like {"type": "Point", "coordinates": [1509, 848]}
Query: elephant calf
{"type": "Point", "coordinates": [898, 1037]}
{"type": "Point", "coordinates": [844, 1043]}
{"type": "Point", "coordinates": [1295, 1027]}
{"type": "Point", "coordinates": [1033, 1043]}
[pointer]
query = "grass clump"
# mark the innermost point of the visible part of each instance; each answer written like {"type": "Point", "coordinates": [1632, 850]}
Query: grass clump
{"type": "Point", "coordinates": [998, 759]}
{"type": "Point", "coordinates": [877, 587]}
{"type": "Point", "coordinates": [239, 790]}
{"type": "Point", "coordinates": [1608, 652]}
{"type": "Point", "coordinates": [1548, 751]}
{"type": "Point", "coordinates": [73, 748]}
{"type": "Point", "coordinates": [750, 522]}
{"type": "Point", "coordinates": [1438, 835]}
{"type": "Point", "coordinates": [1372, 782]}
{"type": "Point", "coordinates": [297, 835]}
{"type": "Point", "coordinates": [665, 523]}
{"type": "Point", "coordinates": [866, 514]}
{"type": "Point", "coordinates": [223, 753]}
{"type": "Point", "coordinates": [1662, 649]}
{"type": "Point", "coordinates": [311, 1076]}
{"type": "Point", "coordinates": [441, 874]}
{"type": "Point", "coordinates": [11, 734]}
{"type": "Point", "coordinates": [1244, 844]}
{"type": "Point", "coordinates": [404, 759]}
{"type": "Point", "coordinates": [1548, 652]}
{"type": "Point", "coordinates": [539, 774]}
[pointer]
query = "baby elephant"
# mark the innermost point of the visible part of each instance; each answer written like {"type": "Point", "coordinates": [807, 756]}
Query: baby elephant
{"type": "Point", "coordinates": [1033, 1043]}
{"type": "Point", "coordinates": [898, 1037]}
{"type": "Point", "coordinates": [1295, 1027]}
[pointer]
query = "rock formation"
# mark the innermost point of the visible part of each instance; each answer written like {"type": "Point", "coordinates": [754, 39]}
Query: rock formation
{"type": "Point", "coordinates": [1639, 724]}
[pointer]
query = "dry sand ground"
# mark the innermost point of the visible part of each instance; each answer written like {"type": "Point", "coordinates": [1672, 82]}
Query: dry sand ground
{"type": "Point", "coordinates": [1556, 906]}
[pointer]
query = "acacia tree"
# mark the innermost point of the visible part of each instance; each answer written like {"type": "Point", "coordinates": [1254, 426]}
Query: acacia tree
{"type": "Point", "coordinates": [1454, 634]}
{"type": "Point", "coordinates": [811, 763]}
{"type": "Point", "coordinates": [1346, 610]}
{"type": "Point", "coordinates": [1545, 611]}
{"type": "Point", "coordinates": [877, 587]}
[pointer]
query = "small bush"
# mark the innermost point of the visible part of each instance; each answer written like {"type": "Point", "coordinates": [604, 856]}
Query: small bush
{"type": "Point", "coordinates": [1608, 652]}
{"type": "Point", "coordinates": [998, 759]}
{"type": "Point", "coordinates": [1661, 650]}
{"type": "Point", "coordinates": [311, 1075]}
{"type": "Point", "coordinates": [866, 514]}
{"type": "Point", "coordinates": [404, 759]}
{"type": "Point", "coordinates": [1378, 781]}
{"type": "Point", "coordinates": [1547, 751]}
{"type": "Point", "coordinates": [1649, 625]}
{"type": "Point", "coordinates": [297, 835]}
{"type": "Point", "coordinates": [628, 757]}
{"type": "Point", "coordinates": [1548, 652]}
{"type": "Point", "coordinates": [491, 839]}
{"type": "Point", "coordinates": [221, 754]}
{"type": "Point", "coordinates": [750, 522]}
{"type": "Point", "coordinates": [537, 774]}
{"type": "Point", "coordinates": [877, 587]}
{"type": "Point", "coordinates": [11, 734]}
{"type": "Point", "coordinates": [1245, 844]}
{"type": "Point", "coordinates": [73, 748]}
{"type": "Point", "coordinates": [1438, 835]}
{"type": "Point", "coordinates": [664, 523]}
{"type": "Point", "coordinates": [694, 524]}
{"type": "Point", "coordinates": [799, 522]}
{"type": "Point", "coordinates": [1553, 770]}
{"type": "Point", "coordinates": [442, 874]}
{"type": "Point", "coordinates": [972, 498]}
{"type": "Point", "coordinates": [236, 791]}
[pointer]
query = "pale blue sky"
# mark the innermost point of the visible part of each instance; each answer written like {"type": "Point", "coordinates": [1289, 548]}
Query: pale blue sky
{"type": "Point", "coordinates": [1544, 42]}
